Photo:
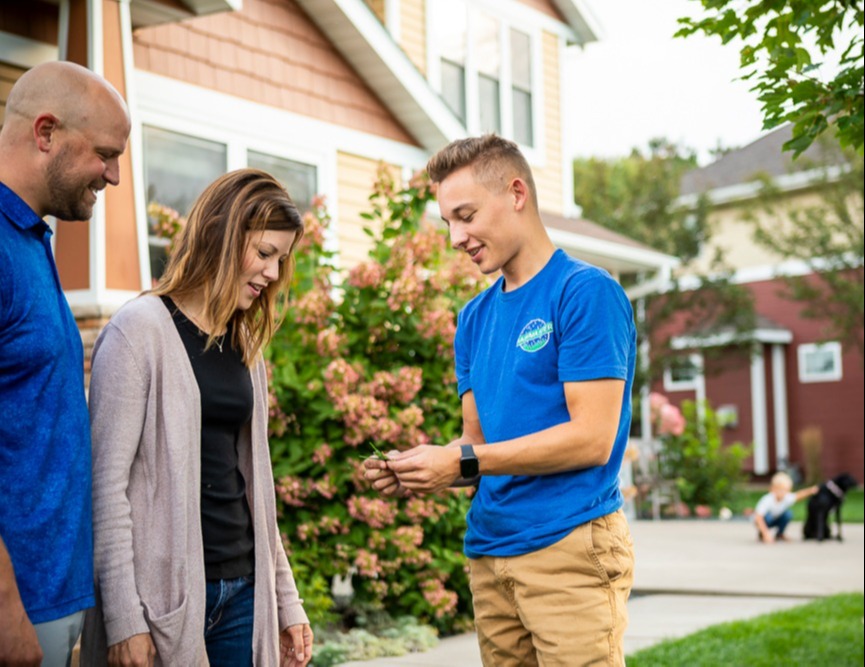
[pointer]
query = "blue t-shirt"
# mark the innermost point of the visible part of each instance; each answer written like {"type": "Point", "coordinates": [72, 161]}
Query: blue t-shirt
{"type": "Point", "coordinates": [514, 350]}
{"type": "Point", "coordinates": [45, 474]}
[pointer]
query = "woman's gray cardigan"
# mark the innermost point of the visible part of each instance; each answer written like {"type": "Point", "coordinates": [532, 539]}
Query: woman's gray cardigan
{"type": "Point", "coordinates": [145, 413]}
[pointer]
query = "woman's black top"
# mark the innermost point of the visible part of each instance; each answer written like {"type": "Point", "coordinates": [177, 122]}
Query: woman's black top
{"type": "Point", "coordinates": [225, 386]}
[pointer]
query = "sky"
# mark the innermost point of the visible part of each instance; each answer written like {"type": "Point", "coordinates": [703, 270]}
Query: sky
{"type": "Point", "coordinates": [638, 82]}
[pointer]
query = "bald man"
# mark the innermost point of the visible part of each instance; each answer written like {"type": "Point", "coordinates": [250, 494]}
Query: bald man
{"type": "Point", "coordinates": [64, 131]}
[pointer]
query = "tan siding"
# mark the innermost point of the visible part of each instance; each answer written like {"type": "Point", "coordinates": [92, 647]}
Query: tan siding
{"type": "Point", "coordinates": [270, 53]}
{"type": "Point", "coordinates": [545, 7]}
{"type": "Point", "coordinates": [732, 232]}
{"type": "Point", "coordinates": [413, 32]}
{"type": "Point", "coordinates": [549, 178]}
{"type": "Point", "coordinates": [8, 76]}
{"type": "Point", "coordinates": [355, 178]}
{"type": "Point", "coordinates": [377, 7]}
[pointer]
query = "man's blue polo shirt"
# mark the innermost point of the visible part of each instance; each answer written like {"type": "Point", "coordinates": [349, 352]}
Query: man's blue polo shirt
{"type": "Point", "coordinates": [45, 477]}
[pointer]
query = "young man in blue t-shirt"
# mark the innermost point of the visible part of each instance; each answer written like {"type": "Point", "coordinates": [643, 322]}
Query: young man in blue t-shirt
{"type": "Point", "coordinates": [64, 131]}
{"type": "Point", "coordinates": [545, 362]}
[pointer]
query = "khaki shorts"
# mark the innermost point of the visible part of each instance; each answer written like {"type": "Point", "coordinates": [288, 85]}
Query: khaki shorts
{"type": "Point", "coordinates": [562, 606]}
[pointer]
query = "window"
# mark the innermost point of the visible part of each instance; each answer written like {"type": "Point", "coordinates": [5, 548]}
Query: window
{"type": "Point", "coordinates": [521, 87]}
{"type": "Point", "coordinates": [452, 45]}
{"type": "Point", "coordinates": [484, 69]}
{"type": "Point", "coordinates": [489, 73]}
{"type": "Point", "coordinates": [820, 362]}
{"type": "Point", "coordinates": [298, 178]}
{"type": "Point", "coordinates": [177, 168]}
{"type": "Point", "coordinates": [683, 373]}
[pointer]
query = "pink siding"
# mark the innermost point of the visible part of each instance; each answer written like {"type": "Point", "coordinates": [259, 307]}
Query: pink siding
{"type": "Point", "coordinates": [268, 52]}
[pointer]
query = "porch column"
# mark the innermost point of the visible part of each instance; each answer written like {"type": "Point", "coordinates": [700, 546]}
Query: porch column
{"type": "Point", "coordinates": [779, 403]}
{"type": "Point", "coordinates": [758, 413]}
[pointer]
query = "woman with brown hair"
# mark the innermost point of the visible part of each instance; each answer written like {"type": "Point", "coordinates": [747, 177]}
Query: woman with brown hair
{"type": "Point", "coordinates": [190, 567]}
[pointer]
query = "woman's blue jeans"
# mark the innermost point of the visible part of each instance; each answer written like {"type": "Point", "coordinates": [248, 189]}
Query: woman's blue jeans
{"type": "Point", "coordinates": [228, 622]}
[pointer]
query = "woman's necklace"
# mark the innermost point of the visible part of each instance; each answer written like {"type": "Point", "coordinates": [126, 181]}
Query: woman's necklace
{"type": "Point", "coordinates": [219, 341]}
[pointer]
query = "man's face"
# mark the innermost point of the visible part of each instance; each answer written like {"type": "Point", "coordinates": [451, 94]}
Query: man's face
{"type": "Point", "coordinates": [481, 222]}
{"type": "Point", "coordinates": [86, 161]}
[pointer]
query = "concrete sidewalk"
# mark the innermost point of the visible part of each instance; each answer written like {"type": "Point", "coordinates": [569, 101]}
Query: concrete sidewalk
{"type": "Point", "coordinates": [693, 574]}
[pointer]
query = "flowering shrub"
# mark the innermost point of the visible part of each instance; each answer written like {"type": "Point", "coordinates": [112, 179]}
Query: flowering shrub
{"type": "Point", "coordinates": [706, 471]}
{"type": "Point", "coordinates": [367, 357]}
{"type": "Point", "coordinates": [165, 221]}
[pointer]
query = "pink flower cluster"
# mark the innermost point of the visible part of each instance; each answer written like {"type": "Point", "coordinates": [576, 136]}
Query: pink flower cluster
{"type": "Point", "coordinates": [439, 598]}
{"type": "Point", "coordinates": [366, 274]}
{"type": "Point", "coordinates": [322, 454]}
{"type": "Point", "coordinates": [367, 563]}
{"type": "Point", "coordinates": [292, 491]}
{"type": "Point", "coordinates": [314, 307]}
{"type": "Point", "coordinates": [418, 509]}
{"type": "Point", "coordinates": [330, 343]}
{"type": "Point", "coordinates": [666, 417]}
{"type": "Point", "coordinates": [375, 512]}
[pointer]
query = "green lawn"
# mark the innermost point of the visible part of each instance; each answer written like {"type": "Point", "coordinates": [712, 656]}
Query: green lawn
{"type": "Point", "coordinates": [853, 510]}
{"type": "Point", "coordinates": [826, 632]}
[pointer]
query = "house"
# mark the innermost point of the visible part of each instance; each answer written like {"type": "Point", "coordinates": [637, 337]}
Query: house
{"type": "Point", "coordinates": [319, 93]}
{"type": "Point", "coordinates": [795, 381]}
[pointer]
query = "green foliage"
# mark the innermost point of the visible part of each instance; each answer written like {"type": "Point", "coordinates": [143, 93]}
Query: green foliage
{"type": "Point", "coordinates": [825, 632]}
{"type": "Point", "coordinates": [392, 638]}
{"type": "Point", "coordinates": [706, 471]}
{"type": "Point", "coordinates": [637, 196]}
{"type": "Point", "coordinates": [367, 358]}
{"type": "Point", "coordinates": [830, 237]}
{"type": "Point", "coordinates": [782, 46]}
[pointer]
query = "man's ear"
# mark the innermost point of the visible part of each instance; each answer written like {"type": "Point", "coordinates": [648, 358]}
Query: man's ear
{"type": "Point", "coordinates": [44, 127]}
{"type": "Point", "coordinates": [520, 192]}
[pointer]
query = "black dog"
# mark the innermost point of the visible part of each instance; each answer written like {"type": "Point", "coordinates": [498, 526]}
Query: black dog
{"type": "Point", "coordinates": [829, 497]}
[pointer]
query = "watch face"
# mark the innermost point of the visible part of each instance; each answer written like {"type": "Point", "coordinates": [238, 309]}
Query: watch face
{"type": "Point", "coordinates": [469, 466]}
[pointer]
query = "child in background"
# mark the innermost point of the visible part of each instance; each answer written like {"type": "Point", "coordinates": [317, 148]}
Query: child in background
{"type": "Point", "coordinates": [773, 509]}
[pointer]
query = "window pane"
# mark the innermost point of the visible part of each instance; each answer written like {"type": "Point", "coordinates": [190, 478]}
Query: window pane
{"type": "Point", "coordinates": [522, 107]}
{"type": "Point", "coordinates": [454, 87]}
{"type": "Point", "coordinates": [684, 369]}
{"type": "Point", "coordinates": [176, 170]}
{"type": "Point", "coordinates": [819, 362]}
{"type": "Point", "coordinates": [488, 52]}
{"type": "Point", "coordinates": [491, 117]}
{"type": "Point", "coordinates": [521, 60]}
{"type": "Point", "coordinates": [450, 29]}
{"type": "Point", "coordinates": [298, 178]}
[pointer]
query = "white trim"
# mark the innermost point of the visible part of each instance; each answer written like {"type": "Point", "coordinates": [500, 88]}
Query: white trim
{"type": "Point", "coordinates": [834, 375]}
{"type": "Point", "coordinates": [213, 115]}
{"type": "Point", "coordinates": [697, 384]}
{"type": "Point", "coordinates": [779, 405]}
{"type": "Point", "coordinates": [799, 180]}
{"type": "Point", "coordinates": [136, 146]}
{"type": "Point", "coordinates": [758, 413]}
{"type": "Point", "coordinates": [393, 19]}
{"type": "Point", "coordinates": [569, 206]}
{"type": "Point", "coordinates": [777, 336]}
{"type": "Point", "coordinates": [359, 35]}
{"type": "Point", "coordinates": [82, 303]}
{"type": "Point", "coordinates": [97, 240]}
{"type": "Point", "coordinates": [24, 52]}
{"type": "Point", "coordinates": [63, 30]}
{"type": "Point", "coordinates": [763, 272]}
{"type": "Point", "coordinates": [650, 259]}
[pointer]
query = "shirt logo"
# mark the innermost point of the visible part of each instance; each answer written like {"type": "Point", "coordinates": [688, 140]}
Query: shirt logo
{"type": "Point", "coordinates": [535, 336]}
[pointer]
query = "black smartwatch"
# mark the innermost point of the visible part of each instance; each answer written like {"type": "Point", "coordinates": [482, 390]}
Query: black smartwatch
{"type": "Point", "coordinates": [469, 466]}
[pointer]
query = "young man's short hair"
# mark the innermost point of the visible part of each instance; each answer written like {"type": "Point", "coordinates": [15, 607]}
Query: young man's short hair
{"type": "Point", "coordinates": [494, 161]}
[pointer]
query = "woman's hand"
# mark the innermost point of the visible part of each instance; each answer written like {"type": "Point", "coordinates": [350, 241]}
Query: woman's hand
{"type": "Point", "coordinates": [295, 645]}
{"type": "Point", "coordinates": [137, 651]}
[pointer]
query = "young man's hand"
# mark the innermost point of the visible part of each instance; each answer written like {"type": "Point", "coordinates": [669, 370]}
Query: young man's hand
{"type": "Point", "coordinates": [426, 468]}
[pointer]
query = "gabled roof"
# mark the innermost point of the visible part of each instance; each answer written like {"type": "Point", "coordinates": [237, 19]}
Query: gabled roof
{"type": "Point", "coordinates": [365, 43]}
{"type": "Point", "coordinates": [765, 156]}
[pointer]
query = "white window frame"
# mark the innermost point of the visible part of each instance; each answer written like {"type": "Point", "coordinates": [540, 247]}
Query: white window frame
{"type": "Point", "coordinates": [508, 18]}
{"type": "Point", "coordinates": [694, 384]}
{"type": "Point", "coordinates": [833, 347]}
